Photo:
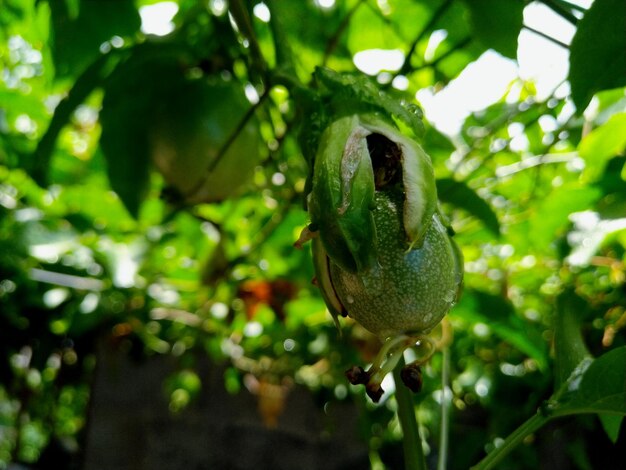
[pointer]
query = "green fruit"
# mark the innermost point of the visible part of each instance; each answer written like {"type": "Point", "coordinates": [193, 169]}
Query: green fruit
{"type": "Point", "coordinates": [384, 255]}
{"type": "Point", "coordinates": [382, 251]}
{"type": "Point", "coordinates": [194, 121]}
{"type": "Point", "coordinates": [412, 290]}
{"type": "Point", "coordinates": [155, 115]}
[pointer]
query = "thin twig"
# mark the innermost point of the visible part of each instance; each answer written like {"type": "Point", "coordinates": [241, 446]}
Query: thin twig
{"type": "Point", "coordinates": [545, 36]}
{"type": "Point", "coordinates": [66, 280]}
{"type": "Point", "coordinates": [242, 20]}
{"type": "Point", "coordinates": [435, 62]}
{"type": "Point", "coordinates": [334, 39]}
{"type": "Point", "coordinates": [265, 232]}
{"type": "Point", "coordinates": [536, 160]}
{"type": "Point", "coordinates": [231, 138]}
{"type": "Point", "coordinates": [406, 66]}
{"type": "Point", "coordinates": [459, 45]}
{"type": "Point", "coordinates": [495, 125]}
{"type": "Point", "coordinates": [560, 10]}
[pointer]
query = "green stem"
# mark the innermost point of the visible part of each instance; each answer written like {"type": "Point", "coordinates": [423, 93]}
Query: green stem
{"type": "Point", "coordinates": [571, 6]}
{"type": "Point", "coordinates": [224, 148]}
{"type": "Point", "coordinates": [514, 439]}
{"type": "Point", "coordinates": [285, 62]}
{"type": "Point", "coordinates": [334, 40]}
{"type": "Point", "coordinates": [242, 19]}
{"type": "Point", "coordinates": [545, 36]}
{"type": "Point", "coordinates": [560, 9]}
{"type": "Point", "coordinates": [411, 439]}
{"type": "Point", "coordinates": [406, 66]}
{"type": "Point", "coordinates": [442, 463]}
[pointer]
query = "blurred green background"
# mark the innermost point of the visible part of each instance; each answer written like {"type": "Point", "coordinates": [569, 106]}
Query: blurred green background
{"type": "Point", "coordinates": [113, 246]}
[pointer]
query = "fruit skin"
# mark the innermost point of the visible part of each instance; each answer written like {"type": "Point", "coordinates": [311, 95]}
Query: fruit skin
{"type": "Point", "coordinates": [193, 122]}
{"type": "Point", "coordinates": [412, 290]}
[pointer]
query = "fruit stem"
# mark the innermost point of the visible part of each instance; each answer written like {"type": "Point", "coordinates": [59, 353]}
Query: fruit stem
{"type": "Point", "coordinates": [389, 346]}
{"type": "Point", "coordinates": [411, 439]}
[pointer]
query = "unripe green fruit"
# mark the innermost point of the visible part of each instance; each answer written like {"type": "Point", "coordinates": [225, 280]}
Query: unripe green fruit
{"type": "Point", "coordinates": [410, 291]}
{"type": "Point", "coordinates": [383, 254]}
{"type": "Point", "coordinates": [382, 250]}
{"type": "Point", "coordinates": [193, 122]}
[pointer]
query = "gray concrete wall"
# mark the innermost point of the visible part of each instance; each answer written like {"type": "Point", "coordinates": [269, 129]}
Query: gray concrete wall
{"type": "Point", "coordinates": [131, 428]}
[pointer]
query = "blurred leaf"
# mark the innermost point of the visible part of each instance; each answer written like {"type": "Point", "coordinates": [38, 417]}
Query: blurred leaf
{"type": "Point", "coordinates": [309, 27]}
{"type": "Point", "coordinates": [83, 86]}
{"type": "Point", "coordinates": [460, 195]}
{"type": "Point", "coordinates": [552, 216]}
{"type": "Point", "coordinates": [589, 233]}
{"type": "Point", "coordinates": [369, 29]}
{"type": "Point", "coordinates": [612, 183]}
{"type": "Point", "coordinates": [569, 347]}
{"type": "Point", "coordinates": [131, 96]}
{"type": "Point", "coordinates": [407, 17]}
{"type": "Point", "coordinates": [598, 52]}
{"type": "Point", "coordinates": [92, 203]}
{"type": "Point", "coordinates": [497, 24]}
{"type": "Point", "coordinates": [604, 142]}
{"type": "Point", "coordinates": [437, 145]}
{"type": "Point", "coordinates": [499, 315]}
{"type": "Point", "coordinates": [13, 103]}
{"type": "Point", "coordinates": [217, 265]}
{"type": "Point", "coordinates": [595, 386]}
{"type": "Point", "coordinates": [78, 36]}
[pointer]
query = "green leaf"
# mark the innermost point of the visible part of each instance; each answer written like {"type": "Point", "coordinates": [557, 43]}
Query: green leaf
{"type": "Point", "coordinates": [569, 347]}
{"type": "Point", "coordinates": [369, 30]}
{"type": "Point", "coordinates": [499, 315]}
{"type": "Point", "coordinates": [310, 31]}
{"type": "Point", "coordinates": [603, 143]}
{"type": "Point", "coordinates": [460, 195]}
{"type": "Point", "coordinates": [131, 96]}
{"type": "Point", "coordinates": [611, 425]}
{"type": "Point", "coordinates": [595, 386]}
{"type": "Point", "coordinates": [15, 103]}
{"type": "Point", "coordinates": [91, 78]}
{"type": "Point", "coordinates": [552, 216]}
{"type": "Point", "coordinates": [598, 52]}
{"type": "Point", "coordinates": [496, 24]}
{"type": "Point", "coordinates": [78, 35]}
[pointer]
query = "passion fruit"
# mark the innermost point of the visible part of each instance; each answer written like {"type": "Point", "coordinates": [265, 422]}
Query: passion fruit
{"type": "Point", "coordinates": [382, 250]}
{"type": "Point", "coordinates": [203, 142]}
